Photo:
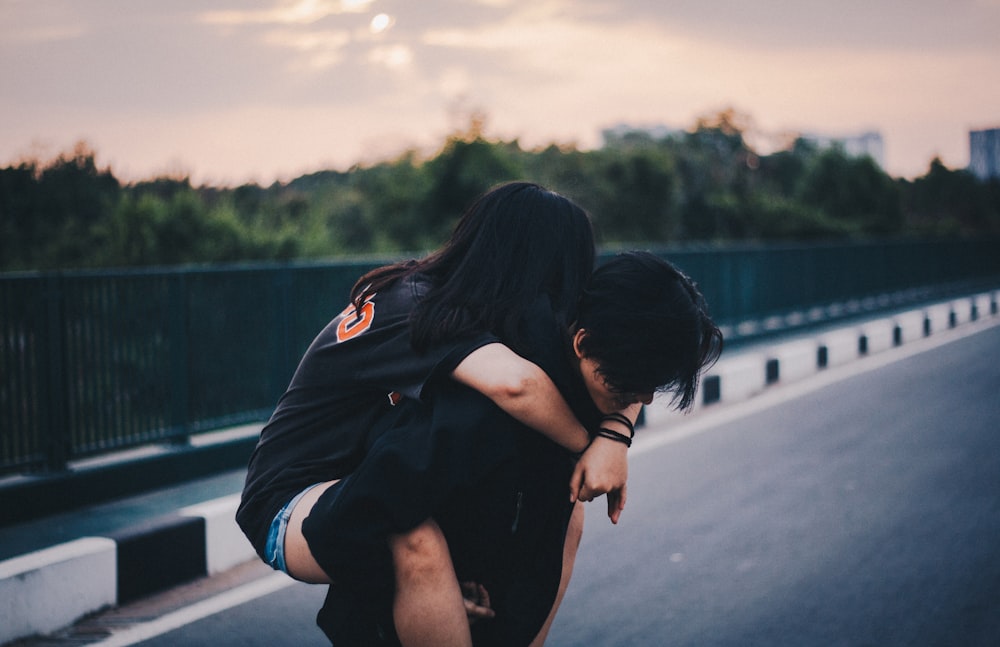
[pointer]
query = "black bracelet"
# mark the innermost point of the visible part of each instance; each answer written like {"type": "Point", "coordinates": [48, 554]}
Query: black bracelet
{"type": "Point", "coordinates": [614, 435]}
{"type": "Point", "coordinates": [617, 417]}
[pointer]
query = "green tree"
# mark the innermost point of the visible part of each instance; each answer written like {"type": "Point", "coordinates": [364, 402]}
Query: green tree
{"type": "Point", "coordinates": [951, 202]}
{"type": "Point", "coordinates": [715, 165]}
{"type": "Point", "coordinates": [853, 191]}
{"type": "Point", "coordinates": [50, 210]}
{"type": "Point", "coordinates": [460, 172]}
{"type": "Point", "coordinates": [640, 196]}
{"type": "Point", "coordinates": [20, 237]}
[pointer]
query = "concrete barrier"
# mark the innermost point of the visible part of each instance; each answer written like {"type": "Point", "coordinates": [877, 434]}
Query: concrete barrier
{"type": "Point", "coordinates": [910, 326]}
{"type": "Point", "coordinates": [51, 588]}
{"type": "Point", "coordinates": [938, 317]}
{"type": "Point", "coordinates": [740, 377]}
{"type": "Point", "coordinates": [795, 360]}
{"type": "Point", "coordinates": [838, 347]}
{"type": "Point", "coordinates": [961, 311]}
{"type": "Point", "coordinates": [161, 553]}
{"type": "Point", "coordinates": [876, 336]}
{"type": "Point", "coordinates": [988, 305]}
{"type": "Point", "coordinates": [225, 544]}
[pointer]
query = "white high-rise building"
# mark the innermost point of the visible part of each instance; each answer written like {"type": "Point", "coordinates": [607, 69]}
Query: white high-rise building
{"type": "Point", "coordinates": [868, 143]}
{"type": "Point", "coordinates": [984, 153]}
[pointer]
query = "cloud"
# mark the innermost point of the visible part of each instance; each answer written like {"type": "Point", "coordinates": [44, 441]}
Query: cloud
{"type": "Point", "coordinates": [364, 73]}
{"type": "Point", "coordinates": [46, 34]}
{"type": "Point", "coordinates": [320, 49]}
{"type": "Point", "coordinates": [393, 57]}
{"type": "Point", "coordinates": [818, 24]}
{"type": "Point", "coordinates": [301, 12]}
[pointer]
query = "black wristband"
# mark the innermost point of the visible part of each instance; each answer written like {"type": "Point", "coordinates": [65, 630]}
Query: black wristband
{"type": "Point", "coordinates": [615, 436]}
{"type": "Point", "coordinates": [617, 417]}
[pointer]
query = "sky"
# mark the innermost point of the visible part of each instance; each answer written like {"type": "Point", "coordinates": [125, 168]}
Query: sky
{"type": "Point", "coordinates": [234, 91]}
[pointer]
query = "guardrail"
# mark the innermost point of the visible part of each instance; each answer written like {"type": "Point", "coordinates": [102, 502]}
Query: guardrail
{"type": "Point", "coordinates": [97, 361]}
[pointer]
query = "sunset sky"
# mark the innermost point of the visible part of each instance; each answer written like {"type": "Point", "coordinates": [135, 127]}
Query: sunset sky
{"type": "Point", "coordinates": [229, 91]}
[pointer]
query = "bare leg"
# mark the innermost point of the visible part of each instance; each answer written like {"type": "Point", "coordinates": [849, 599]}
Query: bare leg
{"type": "Point", "coordinates": [298, 558]}
{"type": "Point", "coordinates": [428, 608]}
{"type": "Point", "coordinates": [573, 534]}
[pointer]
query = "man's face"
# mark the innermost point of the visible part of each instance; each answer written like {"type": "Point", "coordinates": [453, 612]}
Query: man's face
{"type": "Point", "coordinates": [607, 399]}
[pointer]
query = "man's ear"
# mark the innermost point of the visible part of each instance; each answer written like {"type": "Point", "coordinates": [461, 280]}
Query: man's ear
{"type": "Point", "coordinates": [577, 341]}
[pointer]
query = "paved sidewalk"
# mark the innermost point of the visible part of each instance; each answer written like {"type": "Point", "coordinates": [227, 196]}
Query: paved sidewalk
{"type": "Point", "coordinates": [57, 569]}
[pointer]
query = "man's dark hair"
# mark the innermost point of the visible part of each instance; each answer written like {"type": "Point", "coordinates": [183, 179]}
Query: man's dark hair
{"type": "Point", "coordinates": [647, 327]}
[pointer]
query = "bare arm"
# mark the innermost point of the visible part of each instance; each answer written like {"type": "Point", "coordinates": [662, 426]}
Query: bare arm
{"type": "Point", "coordinates": [524, 391]}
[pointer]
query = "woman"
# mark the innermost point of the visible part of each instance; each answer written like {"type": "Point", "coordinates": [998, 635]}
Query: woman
{"type": "Point", "coordinates": [456, 313]}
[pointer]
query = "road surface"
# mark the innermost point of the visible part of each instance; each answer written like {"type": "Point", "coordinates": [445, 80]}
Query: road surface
{"type": "Point", "coordinates": [855, 509]}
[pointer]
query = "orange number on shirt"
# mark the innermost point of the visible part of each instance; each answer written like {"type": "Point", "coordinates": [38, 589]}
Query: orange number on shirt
{"type": "Point", "coordinates": [354, 322]}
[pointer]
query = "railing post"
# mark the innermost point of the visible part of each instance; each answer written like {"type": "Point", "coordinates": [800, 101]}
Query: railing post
{"type": "Point", "coordinates": [180, 364]}
{"type": "Point", "coordinates": [285, 359]}
{"type": "Point", "coordinates": [56, 427]}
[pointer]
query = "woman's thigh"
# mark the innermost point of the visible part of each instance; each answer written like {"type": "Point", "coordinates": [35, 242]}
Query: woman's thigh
{"type": "Point", "coordinates": [298, 558]}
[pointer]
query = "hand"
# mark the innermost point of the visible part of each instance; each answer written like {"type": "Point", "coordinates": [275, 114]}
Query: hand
{"type": "Point", "coordinates": [616, 503]}
{"type": "Point", "coordinates": [603, 469]}
{"type": "Point", "coordinates": [477, 602]}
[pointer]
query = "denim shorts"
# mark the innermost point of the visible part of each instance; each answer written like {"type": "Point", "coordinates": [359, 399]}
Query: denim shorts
{"type": "Point", "coordinates": [274, 551]}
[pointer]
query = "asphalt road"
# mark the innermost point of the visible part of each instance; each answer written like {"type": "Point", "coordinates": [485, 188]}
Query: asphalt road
{"type": "Point", "coordinates": [865, 512]}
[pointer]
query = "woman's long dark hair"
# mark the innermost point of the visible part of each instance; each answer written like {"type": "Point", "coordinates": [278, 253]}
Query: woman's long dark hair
{"type": "Point", "coordinates": [513, 244]}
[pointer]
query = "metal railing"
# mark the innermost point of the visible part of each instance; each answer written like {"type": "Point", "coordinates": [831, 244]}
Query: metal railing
{"type": "Point", "coordinates": [97, 361]}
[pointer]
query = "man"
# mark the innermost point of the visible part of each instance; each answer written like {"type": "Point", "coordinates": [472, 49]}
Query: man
{"type": "Point", "coordinates": [500, 493]}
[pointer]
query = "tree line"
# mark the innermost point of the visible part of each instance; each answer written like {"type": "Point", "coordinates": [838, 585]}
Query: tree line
{"type": "Point", "coordinates": [704, 185]}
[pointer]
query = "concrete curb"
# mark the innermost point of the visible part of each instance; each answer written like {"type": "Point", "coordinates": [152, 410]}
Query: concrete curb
{"type": "Point", "coordinates": [47, 590]}
{"type": "Point", "coordinates": [745, 375]}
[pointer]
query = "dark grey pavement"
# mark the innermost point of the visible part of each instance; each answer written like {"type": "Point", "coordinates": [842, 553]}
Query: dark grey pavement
{"type": "Point", "coordinates": [864, 514]}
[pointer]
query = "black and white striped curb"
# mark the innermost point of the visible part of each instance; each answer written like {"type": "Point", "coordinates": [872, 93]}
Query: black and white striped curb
{"type": "Point", "coordinates": [49, 589]}
{"type": "Point", "coordinates": [743, 375]}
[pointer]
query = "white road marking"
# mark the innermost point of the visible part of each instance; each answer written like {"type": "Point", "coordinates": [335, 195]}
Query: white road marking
{"type": "Point", "coordinates": [210, 606]}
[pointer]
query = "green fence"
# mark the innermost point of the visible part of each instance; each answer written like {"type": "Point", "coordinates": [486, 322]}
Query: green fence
{"type": "Point", "coordinates": [92, 362]}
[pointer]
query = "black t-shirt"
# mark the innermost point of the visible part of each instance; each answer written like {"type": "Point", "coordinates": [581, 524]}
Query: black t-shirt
{"type": "Point", "coordinates": [344, 385]}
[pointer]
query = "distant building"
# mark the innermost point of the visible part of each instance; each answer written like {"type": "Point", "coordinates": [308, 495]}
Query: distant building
{"type": "Point", "coordinates": [984, 153]}
{"type": "Point", "coordinates": [619, 133]}
{"type": "Point", "coordinates": [869, 143]}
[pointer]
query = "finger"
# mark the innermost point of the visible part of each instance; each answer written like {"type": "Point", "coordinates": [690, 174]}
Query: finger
{"type": "Point", "coordinates": [614, 509]}
{"type": "Point", "coordinates": [616, 503]}
{"type": "Point", "coordinates": [475, 611]}
{"type": "Point", "coordinates": [484, 596]}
